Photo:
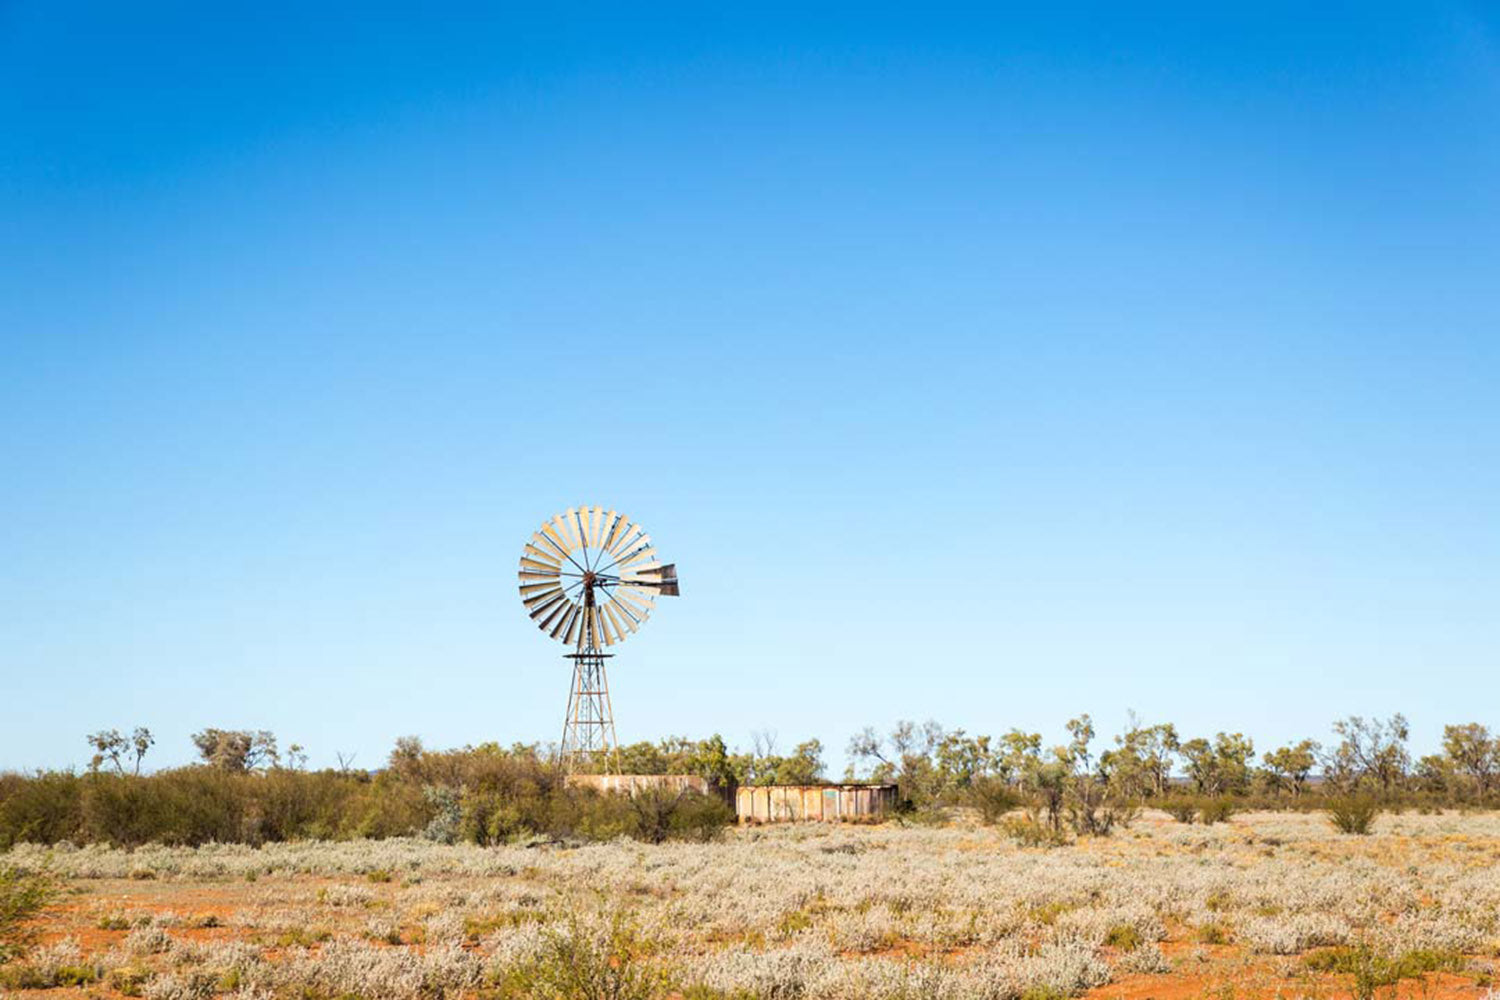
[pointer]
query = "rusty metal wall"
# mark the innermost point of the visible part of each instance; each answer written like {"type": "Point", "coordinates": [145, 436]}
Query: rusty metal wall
{"type": "Point", "coordinates": [813, 803]}
{"type": "Point", "coordinates": [630, 784]}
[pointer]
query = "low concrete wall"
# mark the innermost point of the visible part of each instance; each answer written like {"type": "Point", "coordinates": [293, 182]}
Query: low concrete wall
{"type": "Point", "coordinates": [813, 803]}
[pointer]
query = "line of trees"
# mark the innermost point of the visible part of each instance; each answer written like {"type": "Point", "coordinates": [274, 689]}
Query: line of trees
{"type": "Point", "coordinates": [1153, 761]}
{"type": "Point", "coordinates": [1089, 790]}
{"type": "Point", "coordinates": [246, 790]}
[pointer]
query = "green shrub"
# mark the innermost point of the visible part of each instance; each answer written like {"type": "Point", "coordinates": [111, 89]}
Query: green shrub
{"type": "Point", "coordinates": [585, 813]}
{"type": "Point", "coordinates": [47, 975]}
{"type": "Point", "coordinates": [1373, 969]}
{"type": "Point", "coordinates": [587, 962]}
{"type": "Point", "coordinates": [23, 895]}
{"type": "Point", "coordinates": [701, 818]}
{"type": "Point", "coordinates": [1353, 814]}
{"type": "Point", "coordinates": [1030, 831]}
{"type": "Point", "coordinates": [1181, 808]}
{"type": "Point", "coordinates": [43, 808]}
{"type": "Point", "coordinates": [1125, 937]}
{"type": "Point", "coordinates": [1212, 933]}
{"type": "Point", "coordinates": [992, 798]}
{"type": "Point", "coordinates": [662, 814]}
{"type": "Point", "coordinates": [654, 809]}
{"type": "Point", "coordinates": [130, 982]}
{"type": "Point", "coordinates": [1217, 809]}
{"type": "Point", "coordinates": [928, 815]}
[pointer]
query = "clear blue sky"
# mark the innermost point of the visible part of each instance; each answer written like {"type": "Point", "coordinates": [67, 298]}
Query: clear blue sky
{"type": "Point", "coordinates": [989, 368]}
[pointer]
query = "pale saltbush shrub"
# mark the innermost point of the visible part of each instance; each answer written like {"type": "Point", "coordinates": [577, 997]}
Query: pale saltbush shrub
{"type": "Point", "coordinates": [805, 968]}
{"type": "Point", "coordinates": [446, 927]}
{"type": "Point", "coordinates": [1411, 932]}
{"type": "Point", "coordinates": [879, 979]}
{"type": "Point", "coordinates": [1091, 926]}
{"type": "Point", "coordinates": [44, 965]}
{"type": "Point", "coordinates": [1293, 934]}
{"type": "Point", "coordinates": [148, 941]}
{"type": "Point", "coordinates": [339, 894]}
{"type": "Point", "coordinates": [1009, 973]}
{"type": "Point", "coordinates": [514, 948]}
{"type": "Point", "coordinates": [1148, 958]}
{"type": "Point", "coordinates": [863, 931]}
{"type": "Point", "coordinates": [181, 986]}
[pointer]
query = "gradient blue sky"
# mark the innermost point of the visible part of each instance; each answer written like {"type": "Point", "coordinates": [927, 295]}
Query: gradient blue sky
{"type": "Point", "coordinates": [987, 367]}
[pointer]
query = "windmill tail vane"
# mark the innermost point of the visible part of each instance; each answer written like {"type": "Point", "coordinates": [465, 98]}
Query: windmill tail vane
{"type": "Point", "coordinates": [589, 579]}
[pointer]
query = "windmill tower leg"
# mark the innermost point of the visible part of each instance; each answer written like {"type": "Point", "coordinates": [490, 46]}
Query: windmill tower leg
{"type": "Point", "coordinates": [588, 741]}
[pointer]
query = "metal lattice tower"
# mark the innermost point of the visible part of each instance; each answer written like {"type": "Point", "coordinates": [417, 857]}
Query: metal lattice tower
{"type": "Point", "coordinates": [588, 578]}
{"type": "Point", "coordinates": [589, 731]}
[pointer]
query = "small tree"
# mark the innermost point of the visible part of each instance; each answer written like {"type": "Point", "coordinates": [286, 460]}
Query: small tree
{"type": "Point", "coordinates": [1141, 764]}
{"type": "Point", "coordinates": [1474, 753]}
{"type": "Point", "coordinates": [1019, 755]}
{"type": "Point", "coordinates": [1435, 774]}
{"type": "Point", "coordinates": [1220, 767]}
{"type": "Point", "coordinates": [1094, 804]}
{"type": "Point", "coordinates": [1286, 769]}
{"type": "Point", "coordinates": [866, 751]}
{"type": "Point", "coordinates": [1370, 751]}
{"type": "Point", "coordinates": [803, 767]}
{"type": "Point", "coordinates": [237, 750]}
{"type": "Point", "coordinates": [710, 759]}
{"type": "Point", "coordinates": [109, 745]}
{"type": "Point", "coordinates": [908, 756]}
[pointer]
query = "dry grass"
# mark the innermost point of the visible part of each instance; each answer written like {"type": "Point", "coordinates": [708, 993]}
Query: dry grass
{"type": "Point", "coordinates": [1263, 905]}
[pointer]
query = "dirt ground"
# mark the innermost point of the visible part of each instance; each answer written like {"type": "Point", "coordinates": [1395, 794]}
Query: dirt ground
{"type": "Point", "coordinates": [1163, 912]}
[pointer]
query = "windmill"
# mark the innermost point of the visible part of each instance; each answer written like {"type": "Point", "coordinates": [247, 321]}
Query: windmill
{"type": "Point", "coordinates": [590, 577]}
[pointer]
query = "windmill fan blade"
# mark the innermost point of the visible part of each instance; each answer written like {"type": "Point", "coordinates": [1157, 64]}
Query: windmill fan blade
{"type": "Point", "coordinates": [555, 618]}
{"type": "Point", "coordinates": [549, 532]}
{"type": "Point", "coordinates": [637, 601]}
{"type": "Point", "coordinates": [545, 595]}
{"type": "Point", "coordinates": [540, 555]}
{"type": "Point", "coordinates": [531, 574]}
{"type": "Point", "coordinates": [639, 555]}
{"type": "Point", "coordinates": [625, 613]}
{"type": "Point", "coordinates": [548, 605]}
{"type": "Point", "coordinates": [627, 540]}
{"type": "Point", "coordinates": [607, 529]}
{"type": "Point", "coordinates": [569, 613]}
{"type": "Point", "coordinates": [540, 566]}
{"type": "Point", "coordinates": [564, 523]}
{"type": "Point", "coordinates": [614, 617]}
{"type": "Point", "coordinates": [634, 545]}
{"type": "Point", "coordinates": [532, 588]}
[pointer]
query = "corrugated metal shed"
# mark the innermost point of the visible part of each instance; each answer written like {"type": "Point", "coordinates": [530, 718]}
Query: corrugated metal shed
{"type": "Point", "coordinates": [813, 803]}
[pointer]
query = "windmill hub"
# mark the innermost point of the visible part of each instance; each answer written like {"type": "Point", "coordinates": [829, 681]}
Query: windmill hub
{"type": "Point", "coordinates": [588, 578]}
